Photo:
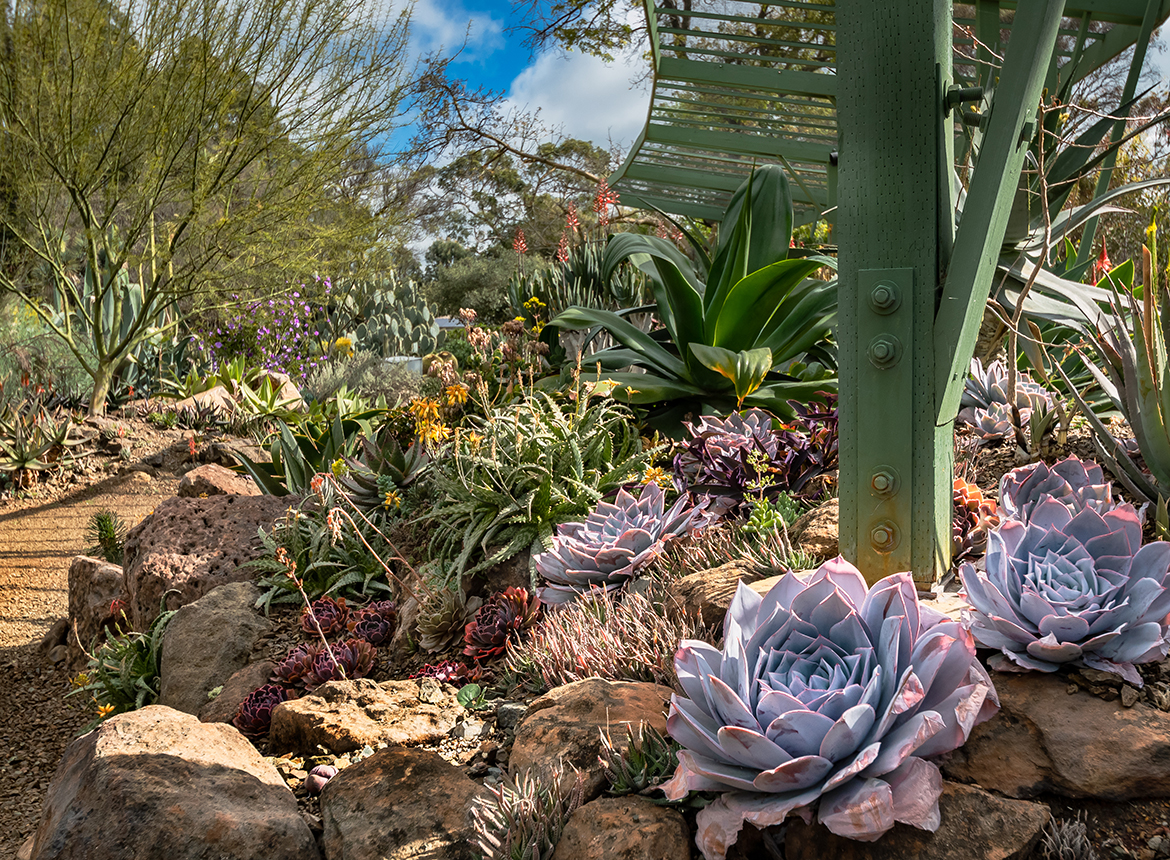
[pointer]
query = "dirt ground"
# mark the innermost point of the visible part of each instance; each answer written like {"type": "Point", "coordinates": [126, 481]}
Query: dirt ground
{"type": "Point", "coordinates": [40, 533]}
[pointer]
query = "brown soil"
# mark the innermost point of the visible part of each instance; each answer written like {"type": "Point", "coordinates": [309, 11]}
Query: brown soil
{"type": "Point", "coordinates": [41, 530]}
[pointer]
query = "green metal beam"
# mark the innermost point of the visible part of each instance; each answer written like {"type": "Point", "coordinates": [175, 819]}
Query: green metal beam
{"type": "Point", "coordinates": [989, 199]}
{"type": "Point", "coordinates": [748, 77]}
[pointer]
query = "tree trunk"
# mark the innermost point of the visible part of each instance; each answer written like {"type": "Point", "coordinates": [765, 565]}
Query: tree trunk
{"type": "Point", "coordinates": [102, 379]}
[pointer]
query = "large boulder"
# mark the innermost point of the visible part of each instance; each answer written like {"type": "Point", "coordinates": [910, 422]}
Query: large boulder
{"type": "Point", "coordinates": [190, 546]}
{"type": "Point", "coordinates": [344, 716]}
{"type": "Point", "coordinates": [816, 532]}
{"type": "Point", "coordinates": [707, 594]}
{"type": "Point", "coordinates": [975, 826]}
{"type": "Point", "coordinates": [157, 783]}
{"type": "Point", "coordinates": [94, 584]}
{"type": "Point", "coordinates": [212, 479]}
{"type": "Point", "coordinates": [206, 642]}
{"type": "Point", "coordinates": [563, 725]}
{"type": "Point", "coordinates": [223, 708]}
{"type": "Point", "coordinates": [400, 804]}
{"type": "Point", "coordinates": [624, 828]}
{"type": "Point", "coordinates": [1049, 738]}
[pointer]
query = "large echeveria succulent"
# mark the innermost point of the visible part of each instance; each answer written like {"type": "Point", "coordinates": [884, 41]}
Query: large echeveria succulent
{"type": "Point", "coordinates": [1071, 589]}
{"type": "Point", "coordinates": [1076, 483]}
{"type": "Point", "coordinates": [614, 543]}
{"type": "Point", "coordinates": [825, 693]}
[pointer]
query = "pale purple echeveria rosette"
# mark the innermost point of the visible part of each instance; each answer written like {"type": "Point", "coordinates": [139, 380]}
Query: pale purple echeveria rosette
{"type": "Point", "coordinates": [614, 544]}
{"type": "Point", "coordinates": [826, 692]}
{"type": "Point", "coordinates": [1077, 484]}
{"type": "Point", "coordinates": [1067, 588]}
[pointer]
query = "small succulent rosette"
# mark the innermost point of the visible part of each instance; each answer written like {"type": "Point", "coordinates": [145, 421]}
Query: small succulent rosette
{"type": "Point", "coordinates": [1067, 588]}
{"type": "Point", "coordinates": [614, 544]}
{"type": "Point", "coordinates": [1077, 484]}
{"type": "Point", "coordinates": [827, 695]}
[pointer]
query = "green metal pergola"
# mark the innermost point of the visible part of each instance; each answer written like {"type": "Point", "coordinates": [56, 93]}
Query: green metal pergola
{"type": "Point", "coordinates": [861, 101]}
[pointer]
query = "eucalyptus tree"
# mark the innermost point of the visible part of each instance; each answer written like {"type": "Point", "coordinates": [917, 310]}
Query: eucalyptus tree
{"type": "Point", "coordinates": [184, 148]}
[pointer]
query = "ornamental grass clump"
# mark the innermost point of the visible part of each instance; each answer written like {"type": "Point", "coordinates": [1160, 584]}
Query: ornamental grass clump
{"type": "Point", "coordinates": [1065, 589]}
{"type": "Point", "coordinates": [614, 544]}
{"type": "Point", "coordinates": [826, 694]}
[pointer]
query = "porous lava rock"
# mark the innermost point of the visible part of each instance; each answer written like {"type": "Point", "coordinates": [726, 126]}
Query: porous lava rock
{"type": "Point", "coordinates": [157, 783]}
{"type": "Point", "coordinates": [1048, 736]}
{"type": "Point", "coordinates": [563, 725]}
{"type": "Point", "coordinates": [206, 642]}
{"type": "Point", "coordinates": [344, 716]}
{"type": "Point", "coordinates": [189, 546]}
{"type": "Point", "coordinates": [400, 804]}
{"type": "Point", "coordinates": [212, 479]}
{"type": "Point", "coordinates": [624, 828]}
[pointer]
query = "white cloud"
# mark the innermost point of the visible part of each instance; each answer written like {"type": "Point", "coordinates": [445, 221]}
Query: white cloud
{"type": "Point", "coordinates": [446, 24]}
{"type": "Point", "coordinates": [585, 96]}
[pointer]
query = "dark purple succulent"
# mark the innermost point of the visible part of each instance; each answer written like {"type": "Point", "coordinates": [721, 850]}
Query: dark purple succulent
{"type": "Point", "coordinates": [374, 623]}
{"type": "Point", "coordinates": [505, 616]}
{"type": "Point", "coordinates": [318, 777]}
{"type": "Point", "coordinates": [254, 716]}
{"type": "Point", "coordinates": [448, 671]}
{"type": "Point", "coordinates": [354, 659]}
{"type": "Point", "coordinates": [297, 665]}
{"type": "Point", "coordinates": [331, 615]}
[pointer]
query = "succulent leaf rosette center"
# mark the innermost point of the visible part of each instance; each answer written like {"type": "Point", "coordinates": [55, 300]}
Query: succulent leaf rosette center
{"type": "Point", "coordinates": [828, 694]}
{"type": "Point", "coordinates": [1076, 589]}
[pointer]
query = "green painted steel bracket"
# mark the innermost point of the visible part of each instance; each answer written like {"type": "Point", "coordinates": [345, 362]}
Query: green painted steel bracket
{"type": "Point", "coordinates": [989, 199]}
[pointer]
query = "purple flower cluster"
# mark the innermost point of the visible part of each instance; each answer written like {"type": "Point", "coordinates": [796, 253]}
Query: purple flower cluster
{"type": "Point", "coordinates": [277, 334]}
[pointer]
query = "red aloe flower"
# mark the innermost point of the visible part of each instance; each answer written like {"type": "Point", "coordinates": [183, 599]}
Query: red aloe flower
{"type": "Point", "coordinates": [563, 249]}
{"type": "Point", "coordinates": [1102, 266]}
{"type": "Point", "coordinates": [518, 244]}
{"type": "Point", "coordinates": [572, 222]}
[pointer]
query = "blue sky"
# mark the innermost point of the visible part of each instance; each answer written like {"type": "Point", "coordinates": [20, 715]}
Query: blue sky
{"type": "Point", "coordinates": [584, 96]}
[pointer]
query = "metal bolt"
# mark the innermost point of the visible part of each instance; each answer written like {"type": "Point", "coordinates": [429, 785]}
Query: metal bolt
{"type": "Point", "coordinates": [884, 351]}
{"type": "Point", "coordinates": [884, 298]}
{"type": "Point", "coordinates": [882, 482]}
{"type": "Point", "coordinates": [884, 536]}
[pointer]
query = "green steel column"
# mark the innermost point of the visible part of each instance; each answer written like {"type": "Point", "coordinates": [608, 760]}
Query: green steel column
{"type": "Point", "coordinates": [894, 65]}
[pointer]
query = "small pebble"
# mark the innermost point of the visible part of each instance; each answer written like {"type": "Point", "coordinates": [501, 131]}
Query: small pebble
{"type": "Point", "coordinates": [508, 714]}
{"type": "Point", "coordinates": [1129, 696]}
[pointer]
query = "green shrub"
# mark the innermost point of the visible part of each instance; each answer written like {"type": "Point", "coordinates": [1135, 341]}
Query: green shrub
{"type": "Point", "coordinates": [366, 374]}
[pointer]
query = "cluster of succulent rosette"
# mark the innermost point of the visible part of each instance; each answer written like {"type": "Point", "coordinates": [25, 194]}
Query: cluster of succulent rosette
{"type": "Point", "coordinates": [985, 405]}
{"type": "Point", "coordinates": [309, 665]}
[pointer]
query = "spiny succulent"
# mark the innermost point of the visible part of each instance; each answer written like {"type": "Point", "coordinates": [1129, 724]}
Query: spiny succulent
{"type": "Point", "coordinates": [503, 618]}
{"type": "Point", "coordinates": [355, 658]}
{"type": "Point", "coordinates": [614, 543]}
{"type": "Point", "coordinates": [1071, 589]}
{"type": "Point", "coordinates": [297, 665]}
{"type": "Point", "coordinates": [375, 623]}
{"type": "Point", "coordinates": [444, 617]}
{"type": "Point", "coordinates": [974, 515]}
{"type": "Point", "coordinates": [254, 716]}
{"type": "Point", "coordinates": [331, 615]}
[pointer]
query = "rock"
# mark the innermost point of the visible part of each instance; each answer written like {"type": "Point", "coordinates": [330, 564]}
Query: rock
{"type": "Point", "coordinates": [624, 828]}
{"type": "Point", "coordinates": [217, 398]}
{"type": "Point", "coordinates": [343, 716]}
{"type": "Point", "coordinates": [563, 724]}
{"type": "Point", "coordinates": [1044, 739]}
{"type": "Point", "coordinates": [816, 532]}
{"type": "Point", "coordinates": [156, 783]}
{"type": "Point", "coordinates": [975, 826]}
{"type": "Point", "coordinates": [708, 593]}
{"type": "Point", "coordinates": [94, 584]}
{"type": "Point", "coordinates": [288, 395]}
{"type": "Point", "coordinates": [223, 707]}
{"type": "Point", "coordinates": [58, 635]}
{"type": "Point", "coordinates": [508, 714]}
{"type": "Point", "coordinates": [513, 572]}
{"type": "Point", "coordinates": [213, 480]}
{"type": "Point", "coordinates": [58, 655]}
{"type": "Point", "coordinates": [193, 546]}
{"type": "Point", "coordinates": [206, 642]}
{"type": "Point", "coordinates": [431, 803]}
{"type": "Point", "coordinates": [224, 452]}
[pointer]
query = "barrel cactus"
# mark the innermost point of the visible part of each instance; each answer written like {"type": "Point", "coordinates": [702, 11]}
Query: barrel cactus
{"type": "Point", "coordinates": [826, 694]}
{"type": "Point", "coordinates": [1071, 589]}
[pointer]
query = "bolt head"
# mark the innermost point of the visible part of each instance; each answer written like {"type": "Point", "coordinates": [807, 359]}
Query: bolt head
{"type": "Point", "coordinates": [881, 536]}
{"type": "Point", "coordinates": [883, 298]}
{"type": "Point", "coordinates": [881, 482]}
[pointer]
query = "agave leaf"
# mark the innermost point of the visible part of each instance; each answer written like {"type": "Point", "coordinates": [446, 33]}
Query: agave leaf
{"type": "Point", "coordinates": [745, 369]}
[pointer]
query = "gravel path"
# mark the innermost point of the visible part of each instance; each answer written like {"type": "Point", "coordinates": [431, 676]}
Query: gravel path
{"type": "Point", "coordinates": [38, 540]}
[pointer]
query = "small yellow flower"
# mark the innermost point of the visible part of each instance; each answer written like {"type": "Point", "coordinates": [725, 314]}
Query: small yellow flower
{"type": "Point", "coordinates": [104, 711]}
{"type": "Point", "coordinates": [392, 500]}
{"type": "Point", "coordinates": [456, 394]}
{"type": "Point", "coordinates": [343, 346]}
{"type": "Point", "coordinates": [339, 468]}
{"type": "Point", "coordinates": [432, 432]}
{"type": "Point", "coordinates": [424, 409]}
{"type": "Point", "coordinates": [78, 681]}
{"type": "Point", "coordinates": [533, 305]}
{"type": "Point", "coordinates": [474, 439]}
{"type": "Point", "coordinates": [657, 475]}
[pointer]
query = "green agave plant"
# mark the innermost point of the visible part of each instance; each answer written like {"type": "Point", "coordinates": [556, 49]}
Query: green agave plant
{"type": "Point", "coordinates": [734, 327]}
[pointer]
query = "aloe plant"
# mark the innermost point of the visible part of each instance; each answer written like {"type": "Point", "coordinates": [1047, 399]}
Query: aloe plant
{"type": "Point", "coordinates": [734, 328]}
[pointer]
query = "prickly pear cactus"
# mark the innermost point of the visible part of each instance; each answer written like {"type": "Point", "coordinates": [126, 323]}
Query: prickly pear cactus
{"type": "Point", "coordinates": [392, 318]}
